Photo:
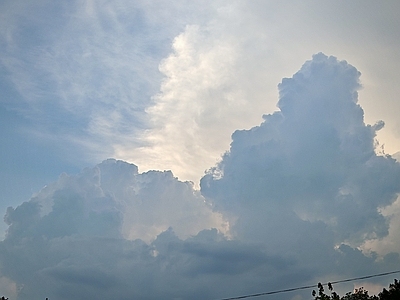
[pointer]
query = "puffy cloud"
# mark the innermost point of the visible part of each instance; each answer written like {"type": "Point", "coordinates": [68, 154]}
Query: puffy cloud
{"type": "Point", "coordinates": [79, 232]}
{"type": "Point", "coordinates": [302, 192]}
{"type": "Point", "coordinates": [114, 200]}
{"type": "Point", "coordinates": [314, 158]}
{"type": "Point", "coordinates": [391, 242]}
{"type": "Point", "coordinates": [203, 267]}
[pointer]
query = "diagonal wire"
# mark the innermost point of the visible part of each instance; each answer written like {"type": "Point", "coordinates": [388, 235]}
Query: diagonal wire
{"type": "Point", "coordinates": [310, 286]}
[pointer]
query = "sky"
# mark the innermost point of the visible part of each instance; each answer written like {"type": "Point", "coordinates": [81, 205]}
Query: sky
{"type": "Point", "coordinates": [197, 149]}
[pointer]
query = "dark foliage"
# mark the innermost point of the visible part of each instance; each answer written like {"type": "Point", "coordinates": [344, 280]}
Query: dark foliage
{"type": "Point", "coordinates": [359, 294]}
{"type": "Point", "coordinates": [392, 293]}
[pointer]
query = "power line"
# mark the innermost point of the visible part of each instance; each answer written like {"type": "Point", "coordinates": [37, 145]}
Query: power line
{"type": "Point", "coordinates": [310, 286]}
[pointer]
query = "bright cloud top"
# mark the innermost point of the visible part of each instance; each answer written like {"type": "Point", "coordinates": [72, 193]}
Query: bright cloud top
{"type": "Point", "coordinates": [290, 202]}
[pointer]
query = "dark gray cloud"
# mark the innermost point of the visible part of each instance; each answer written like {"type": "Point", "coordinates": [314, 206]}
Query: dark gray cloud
{"type": "Point", "coordinates": [301, 192]}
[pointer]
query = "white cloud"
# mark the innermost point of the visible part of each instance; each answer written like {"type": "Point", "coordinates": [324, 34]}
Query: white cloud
{"type": "Point", "coordinates": [301, 192]}
{"type": "Point", "coordinates": [163, 84]}
{"type": "Point", "coordinates": [86, 71]}
{"type": "Point", "coordinates": [92, 79]}
{"type": "Point", "coordinates": [196, 95]}
{"type": "Point", "coordinates": [211, 87]}
{"type": "Point", "coordinates": [390, 242]}
{"type": "Point", "coordinates": [113, 199]}
{"type": "Point", "coordinates": [315, 157]}
{"type": "Point", "coordinates": [223, 72]}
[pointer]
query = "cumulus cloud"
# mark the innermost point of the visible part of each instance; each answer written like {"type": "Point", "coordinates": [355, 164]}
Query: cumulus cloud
{"type": "Point", "coordinates": [293, 202]}
{"type": "Point", "coordinates": [104, 233]}
{"type": "Point", "coordinates": [114, 200]}
{"type": "Point", "coordinates": [106, 208]}
{"type": "Point", "coordinates": [307, 180]}
{"type": "Point", "coordinates": [314, 158]}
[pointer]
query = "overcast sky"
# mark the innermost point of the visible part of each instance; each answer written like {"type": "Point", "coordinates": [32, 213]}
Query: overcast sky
{"type": "Point", "coordinates": [255, 145]}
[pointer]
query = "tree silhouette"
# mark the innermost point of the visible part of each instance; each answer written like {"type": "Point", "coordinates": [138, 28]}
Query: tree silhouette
{"type": "Point", "coordinates": [359, 294]}
{"type": "Point", "coordinates": [392, 293]}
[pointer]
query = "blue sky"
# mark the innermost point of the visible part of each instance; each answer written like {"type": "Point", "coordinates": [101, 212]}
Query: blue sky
{"type": "Point", "coordinates": [233, 117]}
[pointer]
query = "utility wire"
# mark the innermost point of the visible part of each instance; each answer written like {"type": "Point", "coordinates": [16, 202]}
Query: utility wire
{"type": "Point", "coordinates": [310, 286]}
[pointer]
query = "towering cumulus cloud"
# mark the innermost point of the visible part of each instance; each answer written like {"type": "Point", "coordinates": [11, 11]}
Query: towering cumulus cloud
{"type": "Point", "coordinates": [289, 204]}
{"type": "Point", "coordinates": [312, 161]}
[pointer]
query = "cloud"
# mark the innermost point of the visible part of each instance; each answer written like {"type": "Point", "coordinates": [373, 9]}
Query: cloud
{"type": "Point", "coordinates": [198, 81]}
{"type": "Point", "coordinates": [389, 243]}
{"type": "Point", "coordinates": [222, 72]}
{"type": "Point", "coordinates": [114, 200]}
{"type": "Point", "coordinates": [314, 158]}
{"type": "Point", "coordinates": [202, 267]}
{"type": "Point", "coordinates": [307, 181]}
{"type": "Point", "coordinates": [92, 70]}
{"type": "Point", "coordinates": [293, 202]}
{"type": "Point", "coordinates": [100, 77]}
{"type": "Point", "coordinates": [103, 209]}
{"type": "Point", "coordinates": [301, 197]}
{"type": "Point", "coordinates": [212, 85]}
{"type": "Point", "coordinates": [84, 236]}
